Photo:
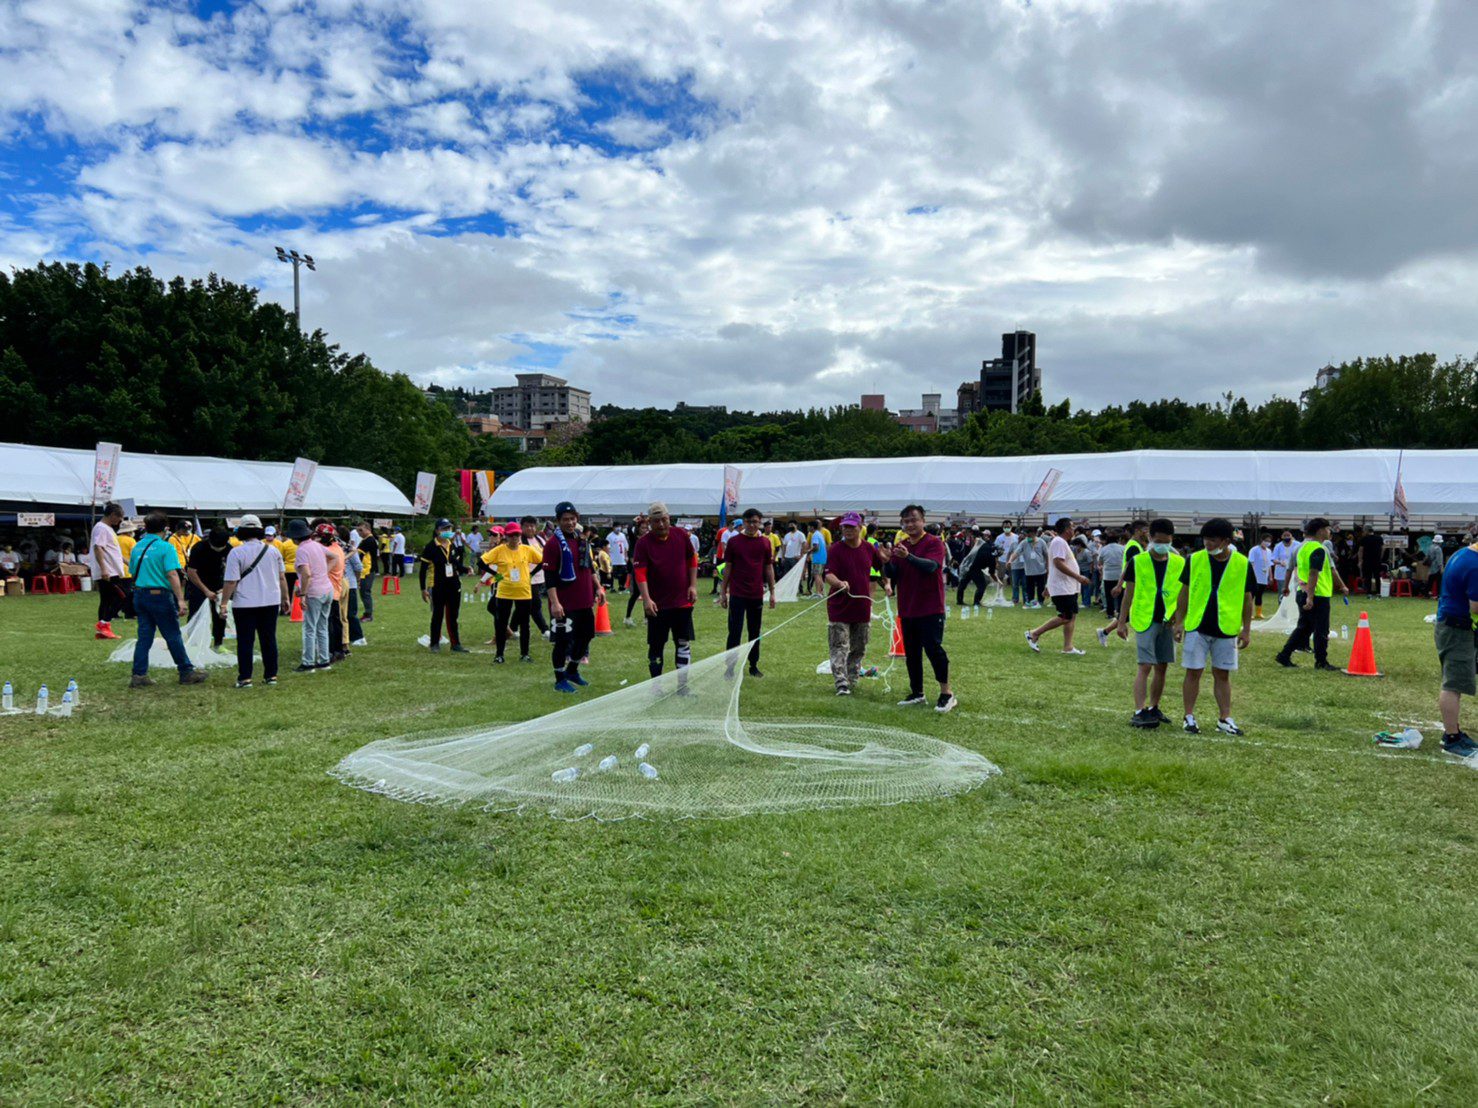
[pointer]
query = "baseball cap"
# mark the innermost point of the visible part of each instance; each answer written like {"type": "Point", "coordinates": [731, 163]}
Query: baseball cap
{"type": "Point", "coordinates": [270, 531]}
{"type": "Point", "coordinates": [1097, 533]}
{"type": "Point", "coordinates": [562, 507]}
{"type": "Point", "coordinates": [443, 523]}
{"type": "Point", "coordinates": [851, 519]}
{"type": "Point", "coordinates": [511, 528]}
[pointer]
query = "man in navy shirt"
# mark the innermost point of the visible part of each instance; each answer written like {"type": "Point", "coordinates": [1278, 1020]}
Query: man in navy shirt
{"type": "Point", "coordinates": [1456, 635]}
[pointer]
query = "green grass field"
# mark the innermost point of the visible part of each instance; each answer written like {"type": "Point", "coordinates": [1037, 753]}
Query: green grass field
{"type": "Point", "coordinates": [191, 909]}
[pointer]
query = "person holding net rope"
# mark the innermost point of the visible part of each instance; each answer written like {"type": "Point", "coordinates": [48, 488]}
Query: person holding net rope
{"type": "Point", "coordinates": [667, 576]}
{"type": "Point", "coordinates": [570, 578]}
{"type": "Point", "coordinates": [850, 563]}
{"type": "Point", "coordinates": [916, 565]}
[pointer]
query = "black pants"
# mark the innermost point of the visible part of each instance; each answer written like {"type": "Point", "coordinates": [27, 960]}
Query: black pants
{"type": "Point", "coordinates": [975, 575]}
{"type": "Point", "coordinates": [1257, 593]}
{"type": "Point", "coordinates": [631, 601]}
{"type": "Point", "coordinates": [674, 623]}
{"type": "Point", "coordinates": [1372, 584]}
{"type": "Point", "coordinates": [513, 614]}
{"type": "Point", "coordinates": [924, 635]}
{"type": "Point", "coordinates": [571, 639]}
{"type": "Point", "coordinates": [387, 565]}
{"type": "Point", "coordinates": [1312, 629]}
{"type": "Point", "coordinates": [110, 598]}
{"type": "Point", "coordinates": [336, 641]}
{"type": "Point", "coordinates": [446, 603]}
{"type": "Point", "coordinates": [292, 582]}
{"type": "Point", "coordinates": [367, 596]}
{"type": "Point", "coordinates": [619, 573]}
{"type": "Point", "coordinates": [259, 625]}
{"type": "Point", "coordinates": [746, 611]}
{"type": "Point", "coordinates": [1110, 601]}
{"type": "Point", "coordinates": [194, 598]}
{"type": "Point", "coordinates": [356, 632]}
{"type": "Point", "coordinates": [1036, 586]}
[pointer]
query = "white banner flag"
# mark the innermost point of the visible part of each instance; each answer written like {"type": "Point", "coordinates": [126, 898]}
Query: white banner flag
{"type": "Point", "coordinates": [733, 475]}
{"type": "Point", "coordinates": [425, 486]}
{"type": "Point", "coordinates": [299, 483]}
{"type": "Point", "coordinates": [1044, 491]}
{"type": "Point", "coordinates": [105, 471]}
{"type": "Point", "coordinates": [484, 481]}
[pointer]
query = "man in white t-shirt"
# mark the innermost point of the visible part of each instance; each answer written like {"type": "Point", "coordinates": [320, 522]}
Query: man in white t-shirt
{"type": "Point", "coordinates": [1283, 556]}
{"type": "Point", "coordinates": [1260, 558]}
{"type": "Point", "coordinates": [397, 552]}
{"type": "Point", "coordinates": [106, 558]}
{"type": "Point", "coordinates": [1064, 586]}
{"type": "Point", "coordinates": [619, 547]}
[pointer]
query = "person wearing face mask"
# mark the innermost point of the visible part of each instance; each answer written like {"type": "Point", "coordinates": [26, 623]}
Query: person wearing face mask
{"type": "Point", "coordinates": [573, 589]}
{"type": "Point", "coordinates": [1152, 585]}
{"type": "Point", "coordinates": [1318, 579]}
{"type": "Point", "coordinates": [1213, 618]}
{"type": "Point", "coordinates": [443, 561]}
{"type": "Point", "coordinates": [1260, 558]}
{"type": "Point", "coordinates": [316, 590]}
{"type": "Point", "coordinates": [1283, 554]}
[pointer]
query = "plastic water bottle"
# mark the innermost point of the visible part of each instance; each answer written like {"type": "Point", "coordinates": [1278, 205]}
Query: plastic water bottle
{"type": "Point", "coordinates": [1344, 630]}
{"type": "Point", "coordinates": [8, 701]}
{"type": "Point", "coordinates": [66, 708]}
{"type": "Point", "coordinates": [642, 751]}
{"type": "Point", "coordinates": [648, 771]}
{"type": "Point", "coordinates": [564, 776]}
{"type": "Point", "coordinates": [608, 763]}
{"type": "Point", "coordinates": [990, 613]}
{"type": "Point", "coordinates": [43, 701]}
{"type": "Point", "coordinates": [584, 749]}
{"type": "Point", "coordinates": [73, 692]}
{"type": "Point", "coordinates": [964, 613]}
{"type": "Point", "coordinates": [975, 610]}
{"type": "Point", "coordinates": [624, 680]}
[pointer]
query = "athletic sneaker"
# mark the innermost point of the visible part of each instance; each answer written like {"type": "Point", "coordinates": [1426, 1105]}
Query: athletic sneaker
{"type": "Point", "coordinates": [525, 658]}
{"type": "Point", "coordinates": [947, 703]}
{"type": "Point", "coordinates": [629, 623]}
{"type": "Point", "coordinates": [1191, 727]}
{"type": "Point", "coordinates": [359, 642]}
{"type": "Point", "coordinates": [1031, 642]}
{"type": "Point", "coordinates": [498, 660]}
{"type": "Point", "coordinates": [244, 684]}
{"type": "Point", "coordinates": [844, 691]}
{"type": "Point", "coordinates": [1284, 661]}
{"type": "Point", "coordinates": [576, 679]}
{"type": "Point", "coordinates": [1228, 726]}
{"type": "Point", "coordinates": [754, 672]}
{"type": "Point", "coordinates": [1074, 650]}
{"type": "Point", "coordinates": [913, 700]}
{"type": "Point", "coordinates": [1326, 665]}
{"type": "Point", "coordinates": [563, 686]}
{"type": "Point", "coordinates": [304, 669]}
{"type": "Point", "coordinates": [270, 682]}
{"type": "Point", "coordinates": [1157, 715]}
{"type": "Point", "coordinates": [1102, 637]}
{"type": "Point", "coordinates": [1145, 719]}
{"type": "Point", "coordinates": [1459, 745]}
{"type": "Point", "coordinates": [460, 649]}
{"type": "Point", "coordinates": [435, 648]}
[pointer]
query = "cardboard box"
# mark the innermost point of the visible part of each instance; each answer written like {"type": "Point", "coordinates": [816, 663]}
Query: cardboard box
{"type": "Point", "coordinates": [14, 587]}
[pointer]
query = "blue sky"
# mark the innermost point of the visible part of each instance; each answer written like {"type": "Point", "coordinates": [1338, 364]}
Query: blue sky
{"type": "Point", "coordinates": [768, 204]}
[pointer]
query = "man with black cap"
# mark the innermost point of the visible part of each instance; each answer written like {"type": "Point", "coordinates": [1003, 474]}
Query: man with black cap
{"type": "Point", "coordinates": [570, 578]}
{"type": "Point", "coordinates": [444, 562]}
{"type": "Point", "coordinates": [205, 570]}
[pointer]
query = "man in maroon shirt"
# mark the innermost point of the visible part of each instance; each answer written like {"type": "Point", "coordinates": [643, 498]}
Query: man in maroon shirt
{"type": "Point", "coordinates": [750, 562]}
{"type": "Point", "coordinates": [570, 581]}
{"type": "Point", "coordinates": [916, 566]}
{"type": "Point", "coordinates": [849, 566]}
{"type": "Point", "coordinates": [666, 567]}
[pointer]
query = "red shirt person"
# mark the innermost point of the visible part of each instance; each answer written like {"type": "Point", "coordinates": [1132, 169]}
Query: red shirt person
{"type": "Point", "coordinates": [569, 578]}
{"type": "Point", "coordinates": [849, 565]}
{"type": "Point", "coordinates": [916, 566]}
{"type": "Point", "coordinates": [666, 567]}
{"type": "Point", "coordinates": [749, 560]}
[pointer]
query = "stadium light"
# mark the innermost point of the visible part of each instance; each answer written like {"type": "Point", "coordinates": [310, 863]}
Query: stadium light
{"type": "Point", "coordinates": [296, 260]}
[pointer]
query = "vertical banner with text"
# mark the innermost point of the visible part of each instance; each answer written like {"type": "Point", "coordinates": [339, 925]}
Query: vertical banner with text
{"type": "Point", "coordinates": [425, 486]}
{"type": "Point", "coordinates": [299, 483]}
{"type": "Point", "coordinates": [105, 471]}
{"type": "Point", "coordinates": [1044, 491]}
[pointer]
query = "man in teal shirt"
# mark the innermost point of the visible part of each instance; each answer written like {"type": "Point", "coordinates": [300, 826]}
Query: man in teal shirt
{"type": "Point", "coordinates": [159, 602]}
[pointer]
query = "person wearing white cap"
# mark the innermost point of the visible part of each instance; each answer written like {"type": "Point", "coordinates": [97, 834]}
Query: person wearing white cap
{"type": "Point", "coordinates": [256, 593]}
{"type": "Point", "coordinates": [1437, 560]}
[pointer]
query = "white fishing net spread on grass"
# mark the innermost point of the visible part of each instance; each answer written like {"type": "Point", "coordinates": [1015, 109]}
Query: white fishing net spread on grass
{"type": "Point", "coordinates": [196, 634]}
{"type": "Point", "coordinates": [1285, 619]}
{"type": "Point", "coordinates": [672, 747]}
{"type": "Point", "coordinates": [788, 588]}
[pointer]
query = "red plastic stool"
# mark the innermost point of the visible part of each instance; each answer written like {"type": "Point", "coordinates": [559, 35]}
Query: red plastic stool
{"type": "Point", "coordinates": [39, 585]}
{"type": "Point", "coordinates": [386, 582]}
{"type": "Point", "coordinates": [1401, 587]}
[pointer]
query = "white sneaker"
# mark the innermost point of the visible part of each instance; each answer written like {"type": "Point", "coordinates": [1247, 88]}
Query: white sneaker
{"type": "Point", "coordinates": [359, 642]}
{"type": "Point", "coordinates": [1102, 637]}
{"type": "Point", "coordinates": [1031, 642]}
{"type": "Point", "coordinates": [630, 622]}
{"type": "Point", "coordinates": [946, 703]}
{"type": "Point", "coordinates": [1228, 726]}
{"type": "Point", "coordinates": [1074, 650]}
{"type": "Point", "coordinates": [912, 701]}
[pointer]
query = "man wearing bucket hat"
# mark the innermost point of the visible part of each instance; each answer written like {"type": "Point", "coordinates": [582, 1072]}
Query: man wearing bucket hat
{"type": "Point", "coordinates": [444, 562]}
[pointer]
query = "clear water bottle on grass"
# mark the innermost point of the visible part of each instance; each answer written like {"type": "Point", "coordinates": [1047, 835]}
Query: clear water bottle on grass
{"type": "Point", "coordinates": [1344, 630]}
{"type": "Point", "coordinates": [66, 708]}
{"type": "Point", "coordinates": [608, 763]}
{"type": "Point", "coordinates": [74, 693]}
{"type": "Point", "coordinates": [564, 776]}
{"type": "Point", "coordinates": [43, 701]}
{"type": "Point", "coordinates": [8, 701]}
{"type": "Point", "coordinates": [642, 751]}
{"type": "Point", "coordinates": [648, 771]}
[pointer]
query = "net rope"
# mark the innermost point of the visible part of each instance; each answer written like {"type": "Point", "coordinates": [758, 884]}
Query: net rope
{"type": "Point", "coordinates": [1285, 619]}
{"type": "Point", "coordinates": [197, 637]}
{"type": "Point", "coordinates": [671, 747]}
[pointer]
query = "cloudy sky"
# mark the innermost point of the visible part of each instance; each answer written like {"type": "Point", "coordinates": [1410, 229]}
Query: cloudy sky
{"type": "Point", "coordinates": [776, 205]}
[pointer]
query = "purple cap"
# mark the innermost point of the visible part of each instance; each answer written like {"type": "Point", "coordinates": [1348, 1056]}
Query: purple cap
{"type": "Point", "coordinates": [851, 519]}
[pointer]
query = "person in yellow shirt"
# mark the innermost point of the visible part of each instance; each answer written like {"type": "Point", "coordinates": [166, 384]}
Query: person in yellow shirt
{"type": "Point", "coordinates": [126, 543]}
{"type": "Point", "coordinates": [513, 564]}
{"type": "Point", "coordinates": [182, 539]}
{"type": "Point", "coordinates": [289, 551]}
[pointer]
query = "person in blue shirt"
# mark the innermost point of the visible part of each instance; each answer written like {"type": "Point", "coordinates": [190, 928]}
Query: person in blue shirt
{"type": "Point", "coordinates": [1456, 635]}
{"type": "Point", "coordinates": [159, 602]}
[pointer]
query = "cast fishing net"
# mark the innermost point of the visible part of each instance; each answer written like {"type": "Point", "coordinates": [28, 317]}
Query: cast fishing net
{"type": "Point", "coordinates": [788, 588]}
{"type": "Point", "coordinates": [673, 747]}
{"type": "Point", "coordinates": [1285, 619]}
{"type": "Point", "coordinates": [196, 633]}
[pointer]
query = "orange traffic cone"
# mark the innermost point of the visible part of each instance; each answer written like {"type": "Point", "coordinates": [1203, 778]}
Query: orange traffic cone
{"type": "Point", "coordinates": [1362, 654]}
{"type": "Point", "coordinates": [896, 651]}
{"type": "Point", "coordinates": [297, 614]}
{"type": "Point", "coordinates": [603, 619]}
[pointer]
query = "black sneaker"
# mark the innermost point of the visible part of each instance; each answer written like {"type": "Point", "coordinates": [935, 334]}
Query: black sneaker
{"type": "Point", "coordinates": [525, 658]}
{"type": "Point", "coordinates": [754, 672]}
{"type": "Point", "coordinates": [1229, 726]}
{"type": "Point", "coordinates": [1326, 666]}
{"type": "Point", "coordinates": [946, 703]}
{"type": "Point", "coordinates": [244, 684]}
{"type": "Point", "coordinates": [1459, 745]}
{"type": "Point", "coordinates": [1144, 719]}
{"type": "Point", "coordinates": [1190, 726]}
{"type": "Point", "coordinates": [460, 649]}
{"type": "Point", "coordinates": [1159, 716]}
{"type": "Point", "coordinates": [435, 648]}
{"type": "Point", "coordinates": [912, 700]}
{"type": "Point", "coordinates": [1285, 661]}
{"type": "Point", "coordinates": [270, 682]}
{"type": "Point", "coordinates": [498, 660]}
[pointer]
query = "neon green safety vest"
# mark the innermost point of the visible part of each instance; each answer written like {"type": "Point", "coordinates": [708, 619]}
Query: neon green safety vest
{"type": "Point", "coordinates": [1142, 611]}
{"type": "Point", "coordinates": [1325, 585]}
{"type": "Point", "coordinates": [1132, 550]}
{"type": "Point", "coordinates": [1230, 593]}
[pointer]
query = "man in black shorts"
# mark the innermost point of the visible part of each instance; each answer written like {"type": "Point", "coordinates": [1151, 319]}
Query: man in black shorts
{"type": "Point", "coordinates": [1064, 586]}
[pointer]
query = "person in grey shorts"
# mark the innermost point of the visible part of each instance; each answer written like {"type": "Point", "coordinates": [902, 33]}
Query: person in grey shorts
{"type": "Point", "coordinates": [1213, 618]}
{"type": "Point", "coordinates": [1152, 583]}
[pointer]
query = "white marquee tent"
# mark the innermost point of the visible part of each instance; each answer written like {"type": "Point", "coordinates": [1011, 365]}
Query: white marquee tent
{"type": "Point", "coordinates": [54, 477]}
{"type": "Point", "coordinates": [1343, 484]}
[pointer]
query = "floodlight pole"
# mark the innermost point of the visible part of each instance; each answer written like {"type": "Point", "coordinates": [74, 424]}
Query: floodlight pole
{"type": "Point", "coordinates": [297, 261]}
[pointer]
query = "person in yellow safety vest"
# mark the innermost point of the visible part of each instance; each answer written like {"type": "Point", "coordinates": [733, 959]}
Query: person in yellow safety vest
{"type": "Point", "coordinates": [1317, 581]}
{"type": "Point", "coordinates": [1134, 545]}
{"type": "Point", "coordinates": [1213, 617]}
{"type": "Point", "coordinates": [1151, 610]}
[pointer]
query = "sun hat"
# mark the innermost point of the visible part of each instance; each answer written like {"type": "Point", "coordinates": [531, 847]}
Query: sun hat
{"type": "Point", "coordinates": [297, 530]}
{"type": "Point", "coordinates": [250, 520]}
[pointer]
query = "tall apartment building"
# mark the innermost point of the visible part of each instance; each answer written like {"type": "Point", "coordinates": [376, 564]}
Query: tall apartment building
{"type": "Point", "coordinates": [1007, 382]}
{"type": "Point", "coordinates": [539, 400]}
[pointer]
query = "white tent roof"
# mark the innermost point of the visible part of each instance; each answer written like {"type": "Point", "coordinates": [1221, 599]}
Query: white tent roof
{"type": "Point", "coordinates": [49, 475]}
{"type": "Point", "coordinates": [1286, 483]}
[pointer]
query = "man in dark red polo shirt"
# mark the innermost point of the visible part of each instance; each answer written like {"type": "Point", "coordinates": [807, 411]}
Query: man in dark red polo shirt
{"type": "Point", "coordinates": [849, 565]}
{"type": "Point", "coordinates": [666, 567]}
{"type": "Point", "coordinates": [916, 565]}
{"type": "Point", "coordinates": [750, 569]}
{"type": "Point", "coordinates": [570, 580]}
